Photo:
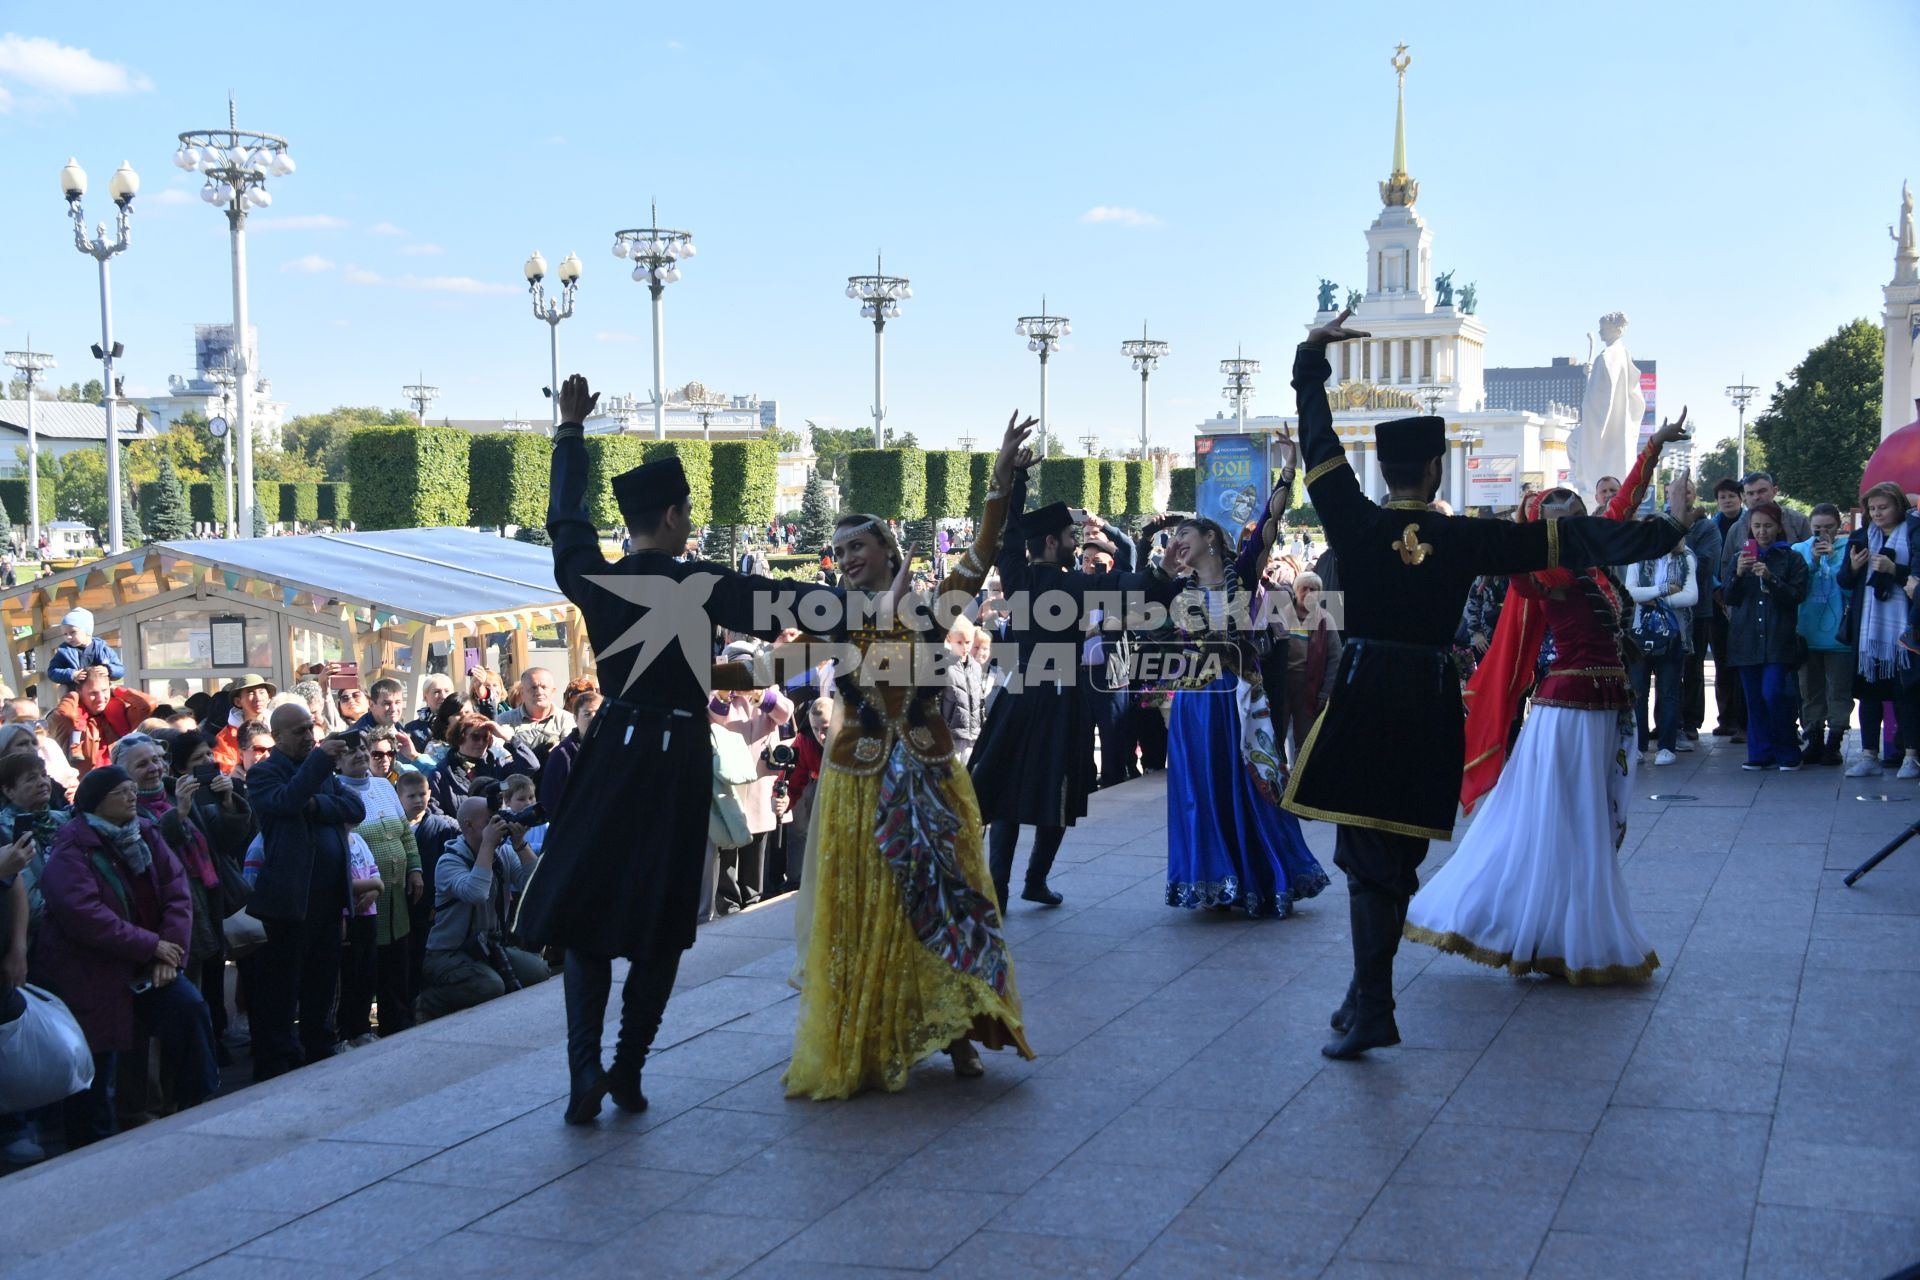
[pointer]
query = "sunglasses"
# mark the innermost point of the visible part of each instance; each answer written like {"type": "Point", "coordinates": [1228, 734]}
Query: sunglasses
{"type": "Point", "coordinates": [380, 755]}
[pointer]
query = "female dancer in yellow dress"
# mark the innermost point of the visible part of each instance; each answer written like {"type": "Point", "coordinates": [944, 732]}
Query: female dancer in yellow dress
{"type": "Point", "coordinates": [905, 953]}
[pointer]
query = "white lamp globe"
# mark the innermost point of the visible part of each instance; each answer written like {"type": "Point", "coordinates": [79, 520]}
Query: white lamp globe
{"type": "Point", "coordinates": [570, 268]}
{"type": "Point", "coordinates": [535, 268]}
{"type": "Point", "coordinates": [619, 248]}
{"type": "Point", "coordinates": [73, 180]}
{"type": "Point", "coordinates": [282, 164]}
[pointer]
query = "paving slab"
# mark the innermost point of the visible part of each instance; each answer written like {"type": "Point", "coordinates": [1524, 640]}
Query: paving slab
{"type": "Point", "coordinates": [1752, 1111]}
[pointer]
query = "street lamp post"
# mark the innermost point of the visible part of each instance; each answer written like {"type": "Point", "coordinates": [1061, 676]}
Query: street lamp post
{"type": "Point", "coordinates": [656, 252]}
{"type": "Point", "coordinates": [237, 163]}
{"type": "Point", "coordinates": [221, 428]}
{"type": "Point", "coordinates": [1145, 353]}
{"type": "Point", "coordinates": [1239, 389]}
{"type": "Point", "coordinates": [545, 308]}
{"type": "Point", "coordinates": [705, 404]}
{"type": "Point", "coordinates": [1742, 395]}
{"type": "Point", "coordinates": [421, 396]}
{"type": "Point", "coordinates": [124, 186]}
{"type": "Point", "coordinates": [31, 365]}
{"type": "Point", "coordinates": [1043, 334]}
{"type": "Point", "coordinates": [880, 297]}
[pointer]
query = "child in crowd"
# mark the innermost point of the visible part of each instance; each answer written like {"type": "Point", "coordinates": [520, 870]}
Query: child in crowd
{"type": "Point", "coordinates": [519, 792]}
{"type": "Point", "coordinates": [80, 651]}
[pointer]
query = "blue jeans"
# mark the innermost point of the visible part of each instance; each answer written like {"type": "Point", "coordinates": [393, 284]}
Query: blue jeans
{"type": "Point", "coordinates": [1773, 714]}
{"type": "Point", "coordinates": [1661, 675]}
{"type": "Point", "coordinates": [177, 1017]}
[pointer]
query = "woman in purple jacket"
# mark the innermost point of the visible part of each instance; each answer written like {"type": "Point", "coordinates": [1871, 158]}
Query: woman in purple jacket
{"type": "Point", "coordinates": [114, 947]}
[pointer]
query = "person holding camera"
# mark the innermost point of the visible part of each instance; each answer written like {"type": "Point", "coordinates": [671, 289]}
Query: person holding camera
{"type": "Point", "coordinates": [305, 814]}
{"type": "Point", "coordinates": [1880, 560]}
{"type": "Point", "coordinates": [378, 964]}
{"type": "Point", "coordinates": [468, 961]}
{"type": "Point", "coordinates": [1826, 679]}
{"type": "Point", "coordinates": [756, 716]}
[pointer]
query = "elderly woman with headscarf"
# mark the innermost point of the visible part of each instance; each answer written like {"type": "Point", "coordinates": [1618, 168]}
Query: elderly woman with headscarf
{"type": "Point", "coordinates": [114, 946]}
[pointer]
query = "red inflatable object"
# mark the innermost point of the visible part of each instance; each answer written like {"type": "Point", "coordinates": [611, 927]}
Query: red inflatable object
{"type": "Point", "coordinates": [1897, 459]}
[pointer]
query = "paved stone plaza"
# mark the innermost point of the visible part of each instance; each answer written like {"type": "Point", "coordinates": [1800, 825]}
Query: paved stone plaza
{"type": "Point", "coordinates": [1754, 1111]}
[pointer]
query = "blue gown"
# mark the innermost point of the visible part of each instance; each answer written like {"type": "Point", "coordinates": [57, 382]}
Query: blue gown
{"type": "Point", "coordinates": [1227, 845]}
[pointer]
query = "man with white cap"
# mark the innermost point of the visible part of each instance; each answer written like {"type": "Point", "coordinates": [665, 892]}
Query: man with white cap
{"type": "Point", "coordinates": [81, 650]}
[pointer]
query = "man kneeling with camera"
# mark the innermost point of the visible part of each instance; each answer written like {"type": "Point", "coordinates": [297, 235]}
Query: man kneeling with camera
{"type": "Point", "coordinates": [468, 961]}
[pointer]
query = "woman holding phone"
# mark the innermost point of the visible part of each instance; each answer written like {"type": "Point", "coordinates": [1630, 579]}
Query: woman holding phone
{"type": "Point", "coordinates": [1763, 638]}
{"type": "Point", "coordinates": [1878, 565]}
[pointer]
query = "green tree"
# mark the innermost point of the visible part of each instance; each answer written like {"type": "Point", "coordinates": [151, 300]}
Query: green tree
{"type": "Point", "coordinates": [6, 526]}
{"type": "Point", "coordinates": [786, 441]}
{"type": "Point", "coordinates": [816, 516]}
{"type": "Point", "coordinates": [130, 529]}
{"type": "Point", "coordinates": [81, 488]}
{"type": "Point", "coordinates": [167, 517]}
{"type": "Point", "coordinates": [321, 438]}
{"type": "Point", "coordinates": [1723, 462]}
{"type": "Point", "coordinates": [75, 393]}
{"type": "Point", "coordinates": [1824, 422]}
{"type": "Point", "coordinates": [831, 445]}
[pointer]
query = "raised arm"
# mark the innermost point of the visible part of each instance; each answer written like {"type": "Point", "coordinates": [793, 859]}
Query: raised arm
{"type": "Point", "coordinates": [1331, 484]}
{"type": "Point", "coordinates": [1634, 491]}
{"type": "Point", "coordinates": [1574, 542]}
{"type": "Point", "coordinates": [576, 543]}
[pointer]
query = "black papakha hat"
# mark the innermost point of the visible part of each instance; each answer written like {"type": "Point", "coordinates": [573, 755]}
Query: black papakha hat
{"type": "Point", "coordinates": [652, 485]}
{"type": "Point", "coordinates": [1411, 439]}
{"type": "Point", "coordinates": [1051, 518]}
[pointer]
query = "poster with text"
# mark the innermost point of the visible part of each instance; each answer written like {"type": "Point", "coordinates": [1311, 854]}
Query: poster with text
{"type": "Point", "coordinates": [1230, 478]}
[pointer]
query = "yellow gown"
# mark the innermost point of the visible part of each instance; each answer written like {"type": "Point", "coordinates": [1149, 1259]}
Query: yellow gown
{"type": "Point", "coordinates": [905, 953]}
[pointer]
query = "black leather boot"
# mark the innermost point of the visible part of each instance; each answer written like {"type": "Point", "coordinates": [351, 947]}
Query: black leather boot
{"type": "Point", "coordinates": [643, 1002]}
{"type": "Point", "coordinates": [1377, 921]}
{"type": "Point", "coordinates": [1046, 843]}
{"type": "Point", "coordinates": [1342, 1020]}
{"type": "Point", "coordinates": [586, 980]}
{"type": "Point", "coordinates": [1836, 752]}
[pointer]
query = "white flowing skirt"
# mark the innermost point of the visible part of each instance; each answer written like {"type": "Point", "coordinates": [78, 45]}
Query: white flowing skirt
{"type": "Point", "coordinates": [1535, 887]}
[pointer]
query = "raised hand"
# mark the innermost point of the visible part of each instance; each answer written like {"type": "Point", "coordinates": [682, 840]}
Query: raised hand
{"type": "Point", "coordinates": [1335, 330]}
{"type": "Point", "coordinates": [1672, 431]}
{"type": "Point", "coordinates": [576, 401]}
{"type": "Point", "coordinates": [1012, 450]}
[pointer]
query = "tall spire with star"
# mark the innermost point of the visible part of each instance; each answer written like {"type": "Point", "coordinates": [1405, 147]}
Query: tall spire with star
{"type": "Point", "coordinates": [1399, 188]}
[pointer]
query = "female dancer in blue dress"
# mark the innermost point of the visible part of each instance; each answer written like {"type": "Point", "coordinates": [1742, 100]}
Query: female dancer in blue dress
{"type": "Point", "coordinates": [1229, 843]}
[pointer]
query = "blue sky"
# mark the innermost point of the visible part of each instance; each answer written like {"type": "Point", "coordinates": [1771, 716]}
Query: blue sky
{"type": "Point", "coordinates": [1723, 174]}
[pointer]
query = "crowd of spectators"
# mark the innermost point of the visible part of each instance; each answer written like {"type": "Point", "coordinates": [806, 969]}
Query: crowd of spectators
{"type": "Point", "coordinates": [259, 874]}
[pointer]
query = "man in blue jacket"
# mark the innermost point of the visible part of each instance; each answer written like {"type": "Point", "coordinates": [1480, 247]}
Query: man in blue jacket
{"type": "Point", "coordinates": [305, 814]}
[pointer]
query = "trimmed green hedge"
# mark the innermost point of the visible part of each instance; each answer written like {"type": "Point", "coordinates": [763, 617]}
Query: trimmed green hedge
{"type": "Point", "coordinates": [696, 459]}
{"type": "Point", "coordinates": [14, 494]}
{"type": "Point", "coordinates": [607, 457]}
{"type": "Point", "coordinates": [1074, 481]}
{"type": "Point", "coordinates": [889, 483]}
{"type": "Point", "coordinates": [508, 479]}
{"type": "Point", "coordinates": [409, 477]}
{"type": "Point", "coordinates": [336, 502]}
{"type": "Point", "coordinates": [297, 503]}
{"type": "Point", "coordinates": [1140, 488]}
{"type": "Point", "coordinates": [950, 484]}
{"type": "Point", "coordinates": [979, 481]}
{"type": "Point", "coordinates": [746, 481]}
{"type": "Point", "coordinates": [207, 502]}
{"type": "Point", "coordinates": [1182, 497]}
{"type": "Point", "coordinates": [1113, 487]}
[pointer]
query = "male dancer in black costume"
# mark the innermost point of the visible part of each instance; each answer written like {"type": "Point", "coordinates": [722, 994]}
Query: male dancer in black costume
{"type": "Point", "coordinates": [1405, 570]}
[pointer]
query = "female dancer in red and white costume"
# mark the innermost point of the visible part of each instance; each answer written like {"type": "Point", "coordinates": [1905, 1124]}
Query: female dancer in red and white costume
{"type": "Point", "coordinates": [1535, 886]}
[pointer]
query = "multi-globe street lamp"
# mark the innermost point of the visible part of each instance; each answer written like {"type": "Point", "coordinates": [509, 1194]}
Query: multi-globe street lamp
{"type": "Point", "coordinates": [421, 396]}
{"type": "Point", "coordinates": [221, 429]}
{"type": "Point", "coordinates": [236, 163]}
{"type": "Point", "coordinates": [553, 312]}
{"type": "Point", "coordinates": [656, 252]}
{"type": "Point", "coordinates": [1146, 354]}
{"type": "Point", "coordinates": [705, 404]}
{"type": "Point", "coordinates": [880, 297]}
{"type": "Point", "coordinates": [1043, 334]}
{"type": "Point", "coordinates": [31, 364]}
{"type": "Point", "coordinates": [124, 185]}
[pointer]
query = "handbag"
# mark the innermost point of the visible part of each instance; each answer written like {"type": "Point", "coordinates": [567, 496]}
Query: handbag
{"type": "Point", "coordinates": [43, 1054]}
{"type": "Point", "coordinates": [733, 767]}
{"type": "Point", "coordinates": [234, 891]}
{"type": "Point", "coordinates": [1656, 629]}
{"type": "Point", "coordinates": [244, 934]}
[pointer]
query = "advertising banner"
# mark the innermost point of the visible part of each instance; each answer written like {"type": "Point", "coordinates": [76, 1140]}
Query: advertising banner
{"type": "Point", "coordinates": [1230, 478]}
{"type": "Point", "coordinates": [1493, 480]}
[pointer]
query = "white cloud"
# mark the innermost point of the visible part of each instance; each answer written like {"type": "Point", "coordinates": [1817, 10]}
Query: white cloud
{"type": "Point", "coordinates": [1118, 213]}
{"type": "Point", "coordinates": [171, 195]}
{"type": "Point", "coordinates": [608, 335]}
{"type": "Point", "coordinates": [297, 222]}
{"type": "Point", "coordinates": [61, 71]}
{"type": "Point", "coordinates": [422, 250]}
{"type": "Point", "coordinates": [311, 264]}
{"type": "Point", "coordinates": [384, 229]}
{"type": "Point", "coordinates": [429, 284]}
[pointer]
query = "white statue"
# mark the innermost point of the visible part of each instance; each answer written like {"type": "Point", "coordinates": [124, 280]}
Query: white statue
{"type": "Point", "coordinates": [1610, 413]}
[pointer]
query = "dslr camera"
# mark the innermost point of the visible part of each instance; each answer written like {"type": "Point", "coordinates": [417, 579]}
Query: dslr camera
{"type": "Point", "coordinates": [783, 757]}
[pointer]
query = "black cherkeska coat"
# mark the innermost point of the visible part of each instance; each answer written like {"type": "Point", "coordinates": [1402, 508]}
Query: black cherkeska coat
{"type": "Point", "coordinates": [620, 870]}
